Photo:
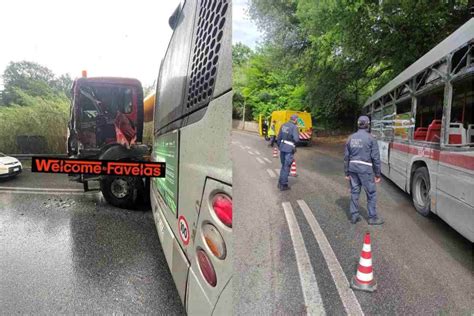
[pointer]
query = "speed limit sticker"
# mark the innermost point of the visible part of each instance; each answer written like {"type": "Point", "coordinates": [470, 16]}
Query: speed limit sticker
{"type": "Point", "coordinates": [183, 229]}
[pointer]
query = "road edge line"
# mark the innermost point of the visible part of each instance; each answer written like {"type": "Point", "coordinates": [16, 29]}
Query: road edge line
{"type": "Point", "coordinates": [308, 282]}
{"type": "Point", "coordinates": [348, 298]}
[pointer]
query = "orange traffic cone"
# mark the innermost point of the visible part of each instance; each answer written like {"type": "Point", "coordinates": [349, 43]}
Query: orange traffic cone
{"type": "Point", "coordinates": [275, 152]}
{"type": "Point", "coordinates": [293, 169]}
{"type": "Point", "coordinates": [364, 279]}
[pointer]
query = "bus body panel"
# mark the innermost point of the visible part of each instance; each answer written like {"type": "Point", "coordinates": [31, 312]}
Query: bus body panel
{"type": "Point", "coordinates": [455, 198]}
{"type": "Point", "coordinates": [198, 286]}
{"type": "Point", "coordinates": [226, 299]}
{"type": "Point", "coordinates": [175, 258]}
{"type": "Point", "coordinates": [398, 161]}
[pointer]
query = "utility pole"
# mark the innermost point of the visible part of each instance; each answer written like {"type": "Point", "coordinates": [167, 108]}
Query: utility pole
{"type": "Point", "coordinates": [243, 117]}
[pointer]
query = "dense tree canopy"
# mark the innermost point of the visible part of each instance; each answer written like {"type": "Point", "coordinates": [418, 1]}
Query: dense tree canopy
{"type": "Point", "coordinates": [329, 56]}
{"type": "Point", "coordinates": [34, 80]}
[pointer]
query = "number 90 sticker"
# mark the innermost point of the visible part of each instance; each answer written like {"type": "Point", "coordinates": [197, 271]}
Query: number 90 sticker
{"type": "Point", "coordinates": [183, 229]}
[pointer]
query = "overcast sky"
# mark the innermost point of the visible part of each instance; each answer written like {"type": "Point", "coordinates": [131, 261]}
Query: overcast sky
{"type": "Point", "coordinates": [107, 38]}
{"type": "Point", "coordinates": [244, 30]}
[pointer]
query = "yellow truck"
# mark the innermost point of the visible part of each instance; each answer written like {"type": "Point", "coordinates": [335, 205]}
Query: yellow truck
{"type": "Point", "coordinates": [305, 125]}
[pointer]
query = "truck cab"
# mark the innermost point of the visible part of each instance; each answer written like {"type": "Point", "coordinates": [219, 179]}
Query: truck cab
{"type": "Point", "coordinates": [106, 123]}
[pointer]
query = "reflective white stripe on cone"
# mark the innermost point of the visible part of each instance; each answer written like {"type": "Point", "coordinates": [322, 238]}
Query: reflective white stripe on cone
{"type": "Point", "coordinates": [275, 152]}
{"type": "Point", "coordinates": [364, 279]}
{"type": "Point", "coordinates": [293, 169]}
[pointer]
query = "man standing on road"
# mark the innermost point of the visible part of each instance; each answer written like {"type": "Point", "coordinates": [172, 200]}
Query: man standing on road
{"type": "Point", "coordinates": [272, 134]}
{"type": "Point", "coordinates": [288, 136]}
{"type": "Point", "coordinates": [362, 169]}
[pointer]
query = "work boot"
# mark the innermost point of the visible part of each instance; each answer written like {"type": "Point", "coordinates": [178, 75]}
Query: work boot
{"type": "Point", "coordinates": [284, 187]}
{"type": "Point", "coordinates": [375, 221]}
{"type": "Point", "coordinates": [355, 218]}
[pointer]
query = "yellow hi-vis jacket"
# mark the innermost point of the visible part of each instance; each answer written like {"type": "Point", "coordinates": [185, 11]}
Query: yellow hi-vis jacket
{"type": "Point", "coordinates": [271, 131]}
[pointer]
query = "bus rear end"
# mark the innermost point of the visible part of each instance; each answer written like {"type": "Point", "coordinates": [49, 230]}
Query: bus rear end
{"type": "Point", "coordinates": [192, 206]}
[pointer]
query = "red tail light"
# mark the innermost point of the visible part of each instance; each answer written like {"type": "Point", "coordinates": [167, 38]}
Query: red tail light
{"type": "Point", "coordinates": [222, 205]}
{"type": "Point", "coordinates": [207, 269]}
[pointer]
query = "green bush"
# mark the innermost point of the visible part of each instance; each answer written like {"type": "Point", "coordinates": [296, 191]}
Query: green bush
{"type": "Point", "coordinates": [42, 116]}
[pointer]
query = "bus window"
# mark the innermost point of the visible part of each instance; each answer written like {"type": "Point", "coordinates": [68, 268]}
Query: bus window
{"type": "Point", "coordinates": [387, 121]}
{"type": "Point", "coordinates": [376, 123]}
{"type": "Point", "coordinates": [429, 113]}
{"type": "Point", "coordinates": [403, 119]}
{"type": "Point", "coordinates": [461, 127]}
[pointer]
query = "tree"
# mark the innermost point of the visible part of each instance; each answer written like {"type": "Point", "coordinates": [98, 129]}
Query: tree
{"type": "Point", "coordinates": [339, 52]}
{"type": "Point", "coordinates": [32, 79]}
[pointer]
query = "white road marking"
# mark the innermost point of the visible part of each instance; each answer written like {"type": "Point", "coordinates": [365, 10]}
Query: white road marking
{"type": "Point", "coordinates": [257, 152]}
{"type": "Point", "coordinates": [277, 171]}
{"type": "Point", "coordinates": [243, 147]}
{"type": "Point", "coordinates": [45, 192]}
{"type": "Point", "coordinates": [348, 298]}
{"type": "Point", "coordinates": [260, 160]}
{"type": "Point", "coordinates": [250, 152]}
{"type": "Point", "coordinates": [40, 189]}
{"type": "Point", "coordinates": [271, 173]}
{"type": "Point", "coordinates": [267, 160]}
{"type": "Point", "coordinates": [248, 147]}
{"type": "Point", "coordinates": [309, 285]}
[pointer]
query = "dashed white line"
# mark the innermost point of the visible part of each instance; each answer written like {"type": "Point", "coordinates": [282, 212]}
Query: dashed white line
{"type": "Point", "coordinates": [260, 160]}
{"type": "Point", "coordinates": [267, 160]}
{"type": "Point", "coordinates": [309, 285]}
{"type": "Point", "coordinates": [251, 153]}
{"type": "Point", "coordinates": [257, 152]}
{"type": "Point", "coordinates": [271, 173]}
{"type": "Point", "coordinates": [243, 147]}
{"type": "Point", "coordinates": [348, 298]}
{"type": "Point", "coordinates": [248, 147]}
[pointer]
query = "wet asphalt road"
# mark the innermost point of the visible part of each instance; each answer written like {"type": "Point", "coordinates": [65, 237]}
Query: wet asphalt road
{"type": "Point", "coordinates": [421, 265]}
{"type": "Point", "coordinates": [70, 252]}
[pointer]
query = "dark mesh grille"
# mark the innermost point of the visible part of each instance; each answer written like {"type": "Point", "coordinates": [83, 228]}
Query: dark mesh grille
{"type": "Point", "coordinates": [205, 57]}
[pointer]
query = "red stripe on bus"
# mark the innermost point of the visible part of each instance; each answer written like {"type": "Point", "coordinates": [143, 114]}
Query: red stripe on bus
{"type": "Point", "coordinates": [450, 158]}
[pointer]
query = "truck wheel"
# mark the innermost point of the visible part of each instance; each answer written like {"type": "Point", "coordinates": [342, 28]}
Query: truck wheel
{"type": "Point", "coordinates": [420, 191]}
{"type": "Point", "coordinates": [122, 192]}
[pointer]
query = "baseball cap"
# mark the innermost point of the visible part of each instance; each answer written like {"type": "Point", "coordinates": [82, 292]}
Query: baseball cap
{"type": "Point", "coordinates": [363, 121]}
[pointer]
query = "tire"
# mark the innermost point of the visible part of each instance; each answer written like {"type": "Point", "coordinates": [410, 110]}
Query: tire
{"type": "Point", "coordinates": [266, 138]}
{"type": "Point", "coordinates": [420, 191]}
{"type": "Point", "coordinates": [123, 192]}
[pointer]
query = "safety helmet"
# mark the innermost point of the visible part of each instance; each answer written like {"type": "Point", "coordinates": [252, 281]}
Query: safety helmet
{"type": "Point", "coordinates": [294, 117]}
{"type": "Point", "coordinates": [363, 122]}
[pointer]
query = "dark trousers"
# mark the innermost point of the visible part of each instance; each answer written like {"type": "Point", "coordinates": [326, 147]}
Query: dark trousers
{"type": "Point", "coordinates": [367, 181]}
{"type": "Point", "coordinates": [272, 140]}
{"type": "Point", "coordinates": [286, 160]}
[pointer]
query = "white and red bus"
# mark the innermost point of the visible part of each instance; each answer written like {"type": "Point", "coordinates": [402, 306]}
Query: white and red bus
{"type": "Point", "coordinates": [424, 122]}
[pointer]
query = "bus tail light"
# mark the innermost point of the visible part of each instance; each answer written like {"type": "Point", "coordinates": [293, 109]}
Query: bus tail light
{"type": "Point", "coordinates": [222, 206]}
{"type": "Point", "coordinates": [207, 269]}
{"type": "Point", "coordinates": [214, 241]}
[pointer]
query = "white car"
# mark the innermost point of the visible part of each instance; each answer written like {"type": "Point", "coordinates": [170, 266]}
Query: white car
{"type": "Point", "coordinates": [9, 166]}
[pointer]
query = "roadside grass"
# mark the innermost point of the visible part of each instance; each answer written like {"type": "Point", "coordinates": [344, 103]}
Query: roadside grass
{"type": "Point", "coordinates": [46, 117]}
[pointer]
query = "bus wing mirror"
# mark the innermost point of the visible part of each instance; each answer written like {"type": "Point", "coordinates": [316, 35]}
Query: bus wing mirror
{"type": "Point", "coordinates": [174, 18]}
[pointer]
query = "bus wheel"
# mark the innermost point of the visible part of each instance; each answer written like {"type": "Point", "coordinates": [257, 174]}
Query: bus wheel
{"type": "Point", "coordinates": [122, 192]}
{"type": "Point", "coordinates": [420, 191]}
